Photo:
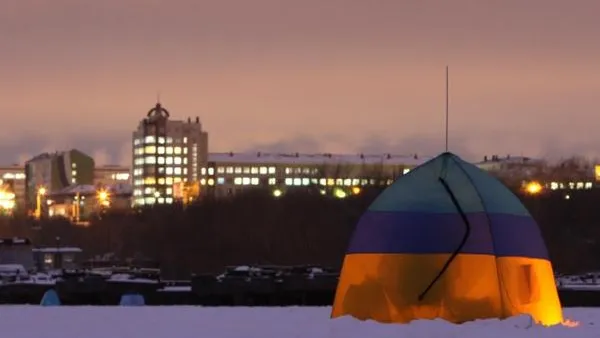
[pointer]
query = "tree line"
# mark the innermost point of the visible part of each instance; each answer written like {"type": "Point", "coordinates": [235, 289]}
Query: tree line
{"type": "Point", "coordinates": [302, 227]}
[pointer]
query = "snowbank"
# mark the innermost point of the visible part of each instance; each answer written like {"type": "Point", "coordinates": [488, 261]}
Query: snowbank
{"type": "Point", "coordinates": [294, 322]}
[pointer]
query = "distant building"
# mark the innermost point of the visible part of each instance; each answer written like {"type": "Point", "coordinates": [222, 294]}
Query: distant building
{"type": "Point", "coordinates": [111, 174]}
{"type": "Point", "coordinates": [56, 171]}
{"type": "Point", "coordinates": [77, 202]}
{"type": "Point", "coordinates": [12, 179]}
{"type": "Point", "coordinates": [165, 153]}
{"type": "Point", "coordinates": [340, 174]}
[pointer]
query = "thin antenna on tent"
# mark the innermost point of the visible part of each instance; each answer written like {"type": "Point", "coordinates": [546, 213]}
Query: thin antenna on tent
{"type": "Point", "coordinates": [447, 101]}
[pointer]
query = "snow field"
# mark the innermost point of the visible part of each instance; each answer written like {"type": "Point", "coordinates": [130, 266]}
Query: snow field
{"type": "Point", "coordinates": [238, 322]}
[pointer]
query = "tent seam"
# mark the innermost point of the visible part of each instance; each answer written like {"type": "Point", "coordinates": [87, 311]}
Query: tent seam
{"type": "Point", "coordinates": [501, 286]}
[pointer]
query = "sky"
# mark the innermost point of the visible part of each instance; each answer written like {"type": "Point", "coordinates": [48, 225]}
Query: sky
{"type": "Point", "coordinates": [308, 75]}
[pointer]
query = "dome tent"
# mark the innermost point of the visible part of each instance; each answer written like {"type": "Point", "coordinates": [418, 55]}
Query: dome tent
{"type": "Point", "coordinates": [448, 241]}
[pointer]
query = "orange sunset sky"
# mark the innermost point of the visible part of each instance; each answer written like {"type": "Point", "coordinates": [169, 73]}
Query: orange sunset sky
{"type": "Point", "coordinates": [309, 75]}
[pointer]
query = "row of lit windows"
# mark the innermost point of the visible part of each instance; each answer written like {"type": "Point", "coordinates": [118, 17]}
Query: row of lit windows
{"type": "Point", "coordinates": [151, 139]}
{"type": "Point", "coordinates": [571, 185]}
{"type": "Point", "coordinates": [160, 160]}
{"type": "Point", "coordinates": [14, 176]}
{"type": "Point", "coordinates": [238, 170]}
{"type": "Point", "coordinates": [263, 170]}
{"type": "Point", "coordinates": [120, 176]}
{"type": "Point", "coordinates": [297, 181]}
{"type": "Point", "coordinates": [151, 191]}
{"type": "Point", "coordinates": [161, 170]}
{"type": "Point", "coordinates": [161, 150]}
{"type": "Point", "coordinates": [153, 200]}
{"type": "Point", "coordinates": [159, 181]}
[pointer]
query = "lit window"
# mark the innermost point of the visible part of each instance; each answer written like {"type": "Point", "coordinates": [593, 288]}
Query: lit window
{"type": "Point", "coordinates": [254, 170]}
{"type": "Point", "coordinates": [148, 191]}
{"type": "Point", "coordinates": [297, 181]}
{"type": "Point", "coordinates": [211, 171]}
{"type": "Point", "coordinates": [137, 141]}
{"type": "Point", "coordinates": [221, 180]}
{"type": "Point", "coordinates": [238, 170]}
{"type": "Point", "coordinates": [185, 139]}
{"type": "Point", "coordinates": [150, 149]}
{"type": "Point", "coordinates": [263, 170]}
{"type": "Point", "coordinates": [202, 171]}
{"type": "Point", "coordinates": [220, 170]}
{"type": "Point", "coordinates": [150, 200]}
{"type": "Point", "coordinates": [160, 160]}
{"type": "Point", "coordinates": [347, 182]}
{"type": "Point", "coordinates": [169, 160]}
{"type": "Point", "coordinates": [211, 181]}
{"type": "Point", "coordinates": [237, 181]}
{"type": "Point", "coordinates": [185, 151]}
{"type": "Point", "coordinates": [169, 180]}
{"type": "Point", "coordinates": [161, 140]}
{"type": "Point", "coordinates": [161, 150]}
{"type": "Point", "coordinates": [177, 160]}
{"type": "Point", "coordinates": [246, 180]}
{"type": "Point", "coordinates": [288, 171]}
{"type": "Point", "coordinates": [177, 150]}
{"type": "Point", "coordinates": [169, 150]}
{"type": "Point", "coordinates": [305, 181]}
{"type": "Point", "coordinates": [185, 171]}
{"type": "Point", "coordinates": [149, 139]}
{"type": "Point", "coordinates": [150, 180]}
{"type": "Point", "coordinates": [161, 181]}
{"type": "Point", "coordinates": [271, 170]}
{"type": "Point", "coordinates": [289, 181]}
{"type": "Point", "coordinates": [185, 160]}
{"type": "Point", "coordinates": [169, 170]}
{"type": "Point", "coordinates": [229, 170]}
{"type": "Point", "coordinates": [169, 200]}
{"type": "Point", "coordinates": [272, 181]}
{"type": "Point", "coordinates": [169, 191]}
{"type": "Point", "coordinates": [255, 181]}
{"type": "Point", "coordinates": [177, 171]}
{"type": "Point", "coordinates": [339, 181]}
{"type": "Point", "coordinates": [150, 160]}
{"type": "Point", "coordinates": [323, 181]}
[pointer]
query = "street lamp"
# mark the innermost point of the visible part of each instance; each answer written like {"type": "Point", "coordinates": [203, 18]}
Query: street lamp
{"type": "Point", "coordinates": [41, 192]}
{"type": "Point", "coordinates": [103, 198]}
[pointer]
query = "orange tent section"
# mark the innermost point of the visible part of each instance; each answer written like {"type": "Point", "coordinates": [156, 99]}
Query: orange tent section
{"type": "Point", "coordinates": [448, 241]}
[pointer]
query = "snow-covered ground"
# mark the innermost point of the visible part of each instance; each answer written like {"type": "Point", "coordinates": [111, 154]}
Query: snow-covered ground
{"type": "Point", "coordinates": [293, 322]}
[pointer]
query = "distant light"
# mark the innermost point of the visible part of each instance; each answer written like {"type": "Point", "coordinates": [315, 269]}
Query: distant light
{"type": "Point", "coordinates": [339, 193]}
{"type": "Point", "coordinates": [356, 190]}
{"type": "Point", "coordinates": [42, 191]}
{"type": "Point", "coordinates": [533, 188]}
{"type": "Point", "coordinates": [277, 193]}
{"type": "Point", "coordinates": [567, 197]}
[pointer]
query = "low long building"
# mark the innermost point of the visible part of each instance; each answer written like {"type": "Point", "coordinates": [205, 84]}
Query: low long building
{"type": "Point", "coordinates": [229, 173]}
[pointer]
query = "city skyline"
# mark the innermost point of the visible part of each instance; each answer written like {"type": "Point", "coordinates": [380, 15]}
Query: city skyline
{"type": "Point", "coordinates": [349, 76]}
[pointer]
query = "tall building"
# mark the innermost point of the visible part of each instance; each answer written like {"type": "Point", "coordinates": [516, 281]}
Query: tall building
{"type": "Point", "coordinates": [56, 171]}
{"type": "Point", "coordinates": [166, 153]}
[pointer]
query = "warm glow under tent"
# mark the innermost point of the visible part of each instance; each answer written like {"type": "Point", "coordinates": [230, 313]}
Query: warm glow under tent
{"type": "Point", "coordinates": [448, 241]}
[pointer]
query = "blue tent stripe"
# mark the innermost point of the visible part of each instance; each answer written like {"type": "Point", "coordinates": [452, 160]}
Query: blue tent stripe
{"type": "Point", "coordinates": [431, 233]}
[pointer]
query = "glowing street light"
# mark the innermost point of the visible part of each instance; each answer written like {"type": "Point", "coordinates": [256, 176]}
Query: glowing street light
{"type": "Point", "coordinates": [533, 188]}
{"type": "Point", "coordinates": [103, 198]}
{"type": "Point", "coordinates": [38, 199]}
{"type": "Point", "coordinates": [277, 193]}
